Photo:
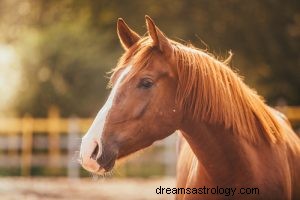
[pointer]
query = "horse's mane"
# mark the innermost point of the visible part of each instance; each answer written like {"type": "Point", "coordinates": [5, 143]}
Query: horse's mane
{"type": "Point", "coordinates": [210, 91]}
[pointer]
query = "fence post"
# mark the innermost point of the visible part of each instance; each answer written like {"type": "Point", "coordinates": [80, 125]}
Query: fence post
{"type": "Point", "coordinates": [13, 147]}
{"type": "Point", "coordinates": [27, 130]}
{"type": "Point", "coordinates": [54, 138]}
{"type": "Point", "coordinates": [73, 144]}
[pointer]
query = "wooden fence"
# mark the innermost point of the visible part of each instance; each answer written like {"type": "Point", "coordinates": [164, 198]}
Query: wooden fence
{"type": "Point", "coordinates": [54, 126]}
{"type": "Point", "coordinates": [73, 128]}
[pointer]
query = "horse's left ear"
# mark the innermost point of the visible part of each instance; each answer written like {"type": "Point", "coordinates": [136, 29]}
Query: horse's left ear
{"type": "Point", "coordinates": [127, 36]}
{"type": "Point", "coordinates": [158, 37]}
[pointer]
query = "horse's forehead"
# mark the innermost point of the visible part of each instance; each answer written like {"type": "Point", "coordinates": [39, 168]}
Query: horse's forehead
{"type": "Point", "coordinates": [153, 64]}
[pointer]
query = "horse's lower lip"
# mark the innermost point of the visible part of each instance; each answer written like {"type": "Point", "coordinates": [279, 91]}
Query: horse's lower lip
{"type": "Point", "coordinates": [101, 170]}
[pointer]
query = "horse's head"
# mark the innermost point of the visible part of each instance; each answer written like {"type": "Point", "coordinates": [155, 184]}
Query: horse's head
{"type": "Point", "coordinates": [141, 107]}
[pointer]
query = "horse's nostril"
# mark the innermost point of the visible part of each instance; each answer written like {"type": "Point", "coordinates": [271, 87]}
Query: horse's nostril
{"type": "Point", "coordinates": [95, 152]}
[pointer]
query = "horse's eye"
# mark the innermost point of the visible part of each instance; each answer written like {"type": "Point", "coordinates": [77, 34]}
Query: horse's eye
{"type": "Point", "coordinates": [145, 83]}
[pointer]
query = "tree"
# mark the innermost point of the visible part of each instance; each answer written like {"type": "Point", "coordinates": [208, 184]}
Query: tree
{"type": "Point", "coordinates": [66, 47]}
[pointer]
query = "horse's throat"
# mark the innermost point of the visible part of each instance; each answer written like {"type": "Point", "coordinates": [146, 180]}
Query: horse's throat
{"type": "Point", "coordinates": [220, 153]}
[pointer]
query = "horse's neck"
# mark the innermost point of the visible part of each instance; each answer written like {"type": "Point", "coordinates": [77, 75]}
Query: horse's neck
{"type": "Point", "coordinates": [222, 155]}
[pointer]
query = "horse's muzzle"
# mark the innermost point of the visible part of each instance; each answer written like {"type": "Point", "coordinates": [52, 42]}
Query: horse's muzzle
{"type": "Point", "coordinates": [108, 157]}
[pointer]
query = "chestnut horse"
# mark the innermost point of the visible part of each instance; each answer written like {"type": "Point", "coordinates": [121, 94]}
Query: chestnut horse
{"type": "Point", "coordinates": [229, 138]}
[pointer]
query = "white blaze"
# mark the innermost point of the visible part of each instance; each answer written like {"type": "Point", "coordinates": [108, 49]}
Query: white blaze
{"type": "Point", "coordinates": [93, 137]}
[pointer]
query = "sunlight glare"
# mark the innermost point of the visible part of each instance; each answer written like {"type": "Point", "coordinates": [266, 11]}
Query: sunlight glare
{"type": "Point", "coordinates": [10, 75]}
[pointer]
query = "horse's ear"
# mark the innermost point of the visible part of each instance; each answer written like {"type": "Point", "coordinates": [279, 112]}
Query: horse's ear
{"type": "Point", "coordinates": [127, 36]}
{"type": "Point", "coordinates": [158, 37]}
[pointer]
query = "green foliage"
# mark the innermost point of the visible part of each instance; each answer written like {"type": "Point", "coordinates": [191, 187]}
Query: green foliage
{"type": "Point", "coordinates": [66, 47]}
{"type": "Point", "coordinates": [69, 71]}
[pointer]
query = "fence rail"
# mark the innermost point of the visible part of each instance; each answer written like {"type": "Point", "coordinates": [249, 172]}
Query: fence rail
{"type": "Point", "coordinates": [54, 126]}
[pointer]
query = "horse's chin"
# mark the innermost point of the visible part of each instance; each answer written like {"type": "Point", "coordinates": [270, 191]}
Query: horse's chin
{"type": "Point", "coordinates": [103, 169]}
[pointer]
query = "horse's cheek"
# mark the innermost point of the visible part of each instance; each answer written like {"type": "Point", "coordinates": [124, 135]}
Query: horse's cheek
{"type": "Point", "coordinates": [140, 110]}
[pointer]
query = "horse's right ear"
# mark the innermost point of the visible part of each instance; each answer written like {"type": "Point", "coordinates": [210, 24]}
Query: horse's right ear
{"type": "Point", "coordinates": [158, 37]}
{"type": "Point", "coordinates": [127, 36]}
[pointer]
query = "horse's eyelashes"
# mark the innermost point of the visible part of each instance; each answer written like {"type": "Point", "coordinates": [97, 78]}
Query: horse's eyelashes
{"type": "Point", "coordinates": [145, 83]}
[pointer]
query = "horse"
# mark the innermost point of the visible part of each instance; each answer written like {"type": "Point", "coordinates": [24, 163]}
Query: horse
{"type": "Point", "coordinates": [229, 139]}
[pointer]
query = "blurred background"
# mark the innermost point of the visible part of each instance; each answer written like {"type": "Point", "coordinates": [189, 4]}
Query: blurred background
{"type": "Point", "coordinates": [54, 59]}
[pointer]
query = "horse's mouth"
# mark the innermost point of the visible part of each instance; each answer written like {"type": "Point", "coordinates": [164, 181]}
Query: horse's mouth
{"type": "Point", "coordinates": [107, 165]}
{"type": "Point", "coordinates": [107, 161]}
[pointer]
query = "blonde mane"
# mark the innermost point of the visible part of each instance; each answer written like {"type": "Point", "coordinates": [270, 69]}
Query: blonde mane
{"type": "Point", "coordinates": [210, 91]}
